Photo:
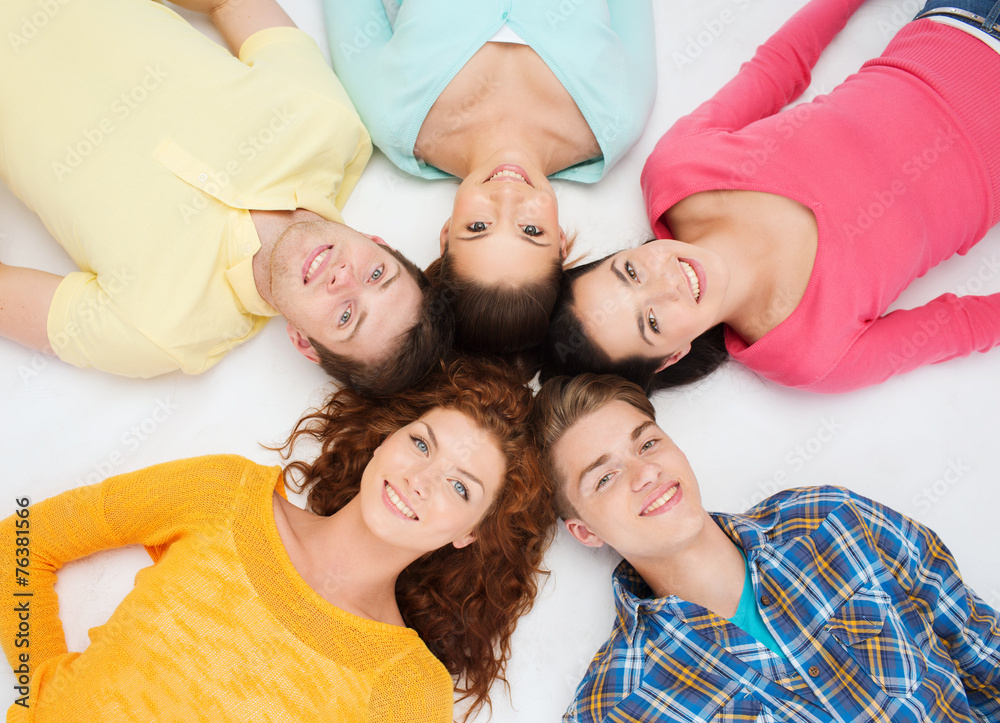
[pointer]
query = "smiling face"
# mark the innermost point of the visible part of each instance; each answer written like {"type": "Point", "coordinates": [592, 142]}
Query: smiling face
{"type": "Point", "coordinates": [341, 288]}
{"type": "Point", "coordinates": [651, 301]}
{"type": "Point", "coordinates": [630, 485]}
{"type": "Point", "coordinates": [430, 483]}
{"type": "Point", "coordinates": [504, 225]}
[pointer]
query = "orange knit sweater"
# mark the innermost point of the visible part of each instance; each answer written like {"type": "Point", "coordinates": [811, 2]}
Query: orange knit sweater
{"type": "Point", "coordinates": [220, 628]}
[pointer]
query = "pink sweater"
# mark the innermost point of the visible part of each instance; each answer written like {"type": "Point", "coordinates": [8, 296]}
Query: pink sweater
{"type": "Point", "coordinates": [901, 166]}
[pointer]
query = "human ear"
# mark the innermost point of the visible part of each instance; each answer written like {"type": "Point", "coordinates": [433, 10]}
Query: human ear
{"type": "Point", "coordinates": [301, 343]}
{"type": "Point", "coordinates": [444, 235]}
{"type": "Point", "coordinates": [563, 244]}
{"type": "Point", "coordinates": [464, 541]}
{"type": "Point", "coordinates": [584, 534]}
{"type": "Point", "coordinates": [675, 357]}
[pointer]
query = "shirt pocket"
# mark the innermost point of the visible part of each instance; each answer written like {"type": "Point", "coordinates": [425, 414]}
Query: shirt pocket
{"type": "Point", "coordinates": [742, 708]}
{"type": "Point", "coordinates": [869, 628]}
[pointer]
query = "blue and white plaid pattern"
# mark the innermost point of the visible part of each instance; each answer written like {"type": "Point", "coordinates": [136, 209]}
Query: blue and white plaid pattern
{"type": "Point", "coordinates": [868, 605]}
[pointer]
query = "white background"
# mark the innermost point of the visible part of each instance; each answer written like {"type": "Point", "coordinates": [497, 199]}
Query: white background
{"type": "Point", "coordinates": [925, 443]}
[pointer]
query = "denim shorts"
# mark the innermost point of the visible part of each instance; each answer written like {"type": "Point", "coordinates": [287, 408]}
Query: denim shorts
{"type": "Point", "coordinates": [983, 15]}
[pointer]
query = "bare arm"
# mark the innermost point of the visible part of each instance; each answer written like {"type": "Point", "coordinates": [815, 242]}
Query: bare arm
{"type": "Point", "coordinates": [25, 298]}
{"type": "Point", "coordinates": [237, 20]}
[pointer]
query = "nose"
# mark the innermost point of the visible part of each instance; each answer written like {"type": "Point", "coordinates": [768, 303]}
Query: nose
{"type": "Point", "coordinates": [643, 474]}
{"type": "Point", "coordinates": [343, 277]}
{"type": "Point", "coordinates": [507, 192]}
{"type": "Point", "coordinates": [420, 480]}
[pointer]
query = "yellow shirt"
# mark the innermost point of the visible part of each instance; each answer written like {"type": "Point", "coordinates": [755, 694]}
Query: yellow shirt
{"type": "Point", "coordinates": [142, 145]}
{"type": "Point", "coordinates": [220, 628]}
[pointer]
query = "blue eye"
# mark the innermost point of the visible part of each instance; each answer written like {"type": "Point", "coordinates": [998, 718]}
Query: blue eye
{"type": "Point", "coordinates": [345, 317]}
{"type": "Point", "coordinates": [420, 444]}
{"type": "Point", "coordinates": [604, 480]}
{"type": "Point", "coordinates": [532, 230]}
{"type": "Point", "coordinates": [476, 227]}
{"type": "Point", "coordinates": [377, 273]}
{"type": "Point", "coordinates": [460, 488]}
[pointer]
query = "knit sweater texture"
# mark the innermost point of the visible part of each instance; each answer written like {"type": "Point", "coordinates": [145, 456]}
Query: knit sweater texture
{"type": "Point", "coordinates": [900, 165]}
{"type": "Point", "coordinates": [220, 628]}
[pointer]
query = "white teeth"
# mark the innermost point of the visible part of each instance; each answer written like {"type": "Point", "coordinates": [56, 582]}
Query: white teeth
{"type": "Point", "coordinates": [692, 278]}
{"type": "Point", "coordinates": [662, 500]}
{"type": "Point", "coordinates": [400, 505]}
{"type": "Point", "coordinates": [316, 262]}
{"type": "Point", "coordinates": [507, 174]}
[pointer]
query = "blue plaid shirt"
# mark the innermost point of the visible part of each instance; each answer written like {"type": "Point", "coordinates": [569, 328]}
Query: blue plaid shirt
{"type": "Point", "coordinates": [868, 605]}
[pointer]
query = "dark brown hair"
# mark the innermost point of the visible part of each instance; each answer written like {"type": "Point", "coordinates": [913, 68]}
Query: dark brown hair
{"type": "Point", "coordinates": [411, 355]}
{"type": "Point", "coordinates": [561, 403]}
{"type": "Point", "coordinates": [464, 602]}
{"type": "Point", "coordinates": [568, 350]}
{"type": "Point", "coordinates": [503, 319]}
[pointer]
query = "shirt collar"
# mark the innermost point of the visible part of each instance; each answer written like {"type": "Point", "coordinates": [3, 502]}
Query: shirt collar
{"type": "Point", "coordinates": [633, 596]}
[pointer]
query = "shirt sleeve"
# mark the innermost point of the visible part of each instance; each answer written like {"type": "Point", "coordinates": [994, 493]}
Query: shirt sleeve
{"type": "Point", "coordinates": [948, 327]}
{"type": "Point", "coordinates": [87, 327]}
{"type": "Point", "coordinates": [925, 568]}
{"type": "Point", "coordinates": [778, 73]}
{"type": "Point", "coordinates": [150, 507]}
{"type": "Point", "coordinates": [359, 31]}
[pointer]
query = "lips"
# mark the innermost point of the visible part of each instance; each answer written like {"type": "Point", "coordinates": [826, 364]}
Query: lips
{"type": "Point", "coordinates": [509, 173]}
{"type": "Point", "coordinates": [315, 262]}
{"type": "Point", "coordinates": [396, 503]}
{"type": "Point", "coordinates": [662, 499]}
{"type": "Point", "coordinates": [694, 274]}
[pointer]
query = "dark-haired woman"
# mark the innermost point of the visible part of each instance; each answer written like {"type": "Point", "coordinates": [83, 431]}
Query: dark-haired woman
{"type": "Point", "coordinates": [785, 236]}
{"type": "Point", "coordinates": [501, 95]}
{"type": "Point", "coordinates": [427, 525]}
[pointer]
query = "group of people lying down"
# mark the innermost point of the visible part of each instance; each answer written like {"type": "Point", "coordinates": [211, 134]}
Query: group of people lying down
{"type": "Point", "coordinates": [199, 190]}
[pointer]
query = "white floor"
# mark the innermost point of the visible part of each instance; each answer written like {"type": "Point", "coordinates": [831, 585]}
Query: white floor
{"type": "Point", "coordinates": [924, 443]}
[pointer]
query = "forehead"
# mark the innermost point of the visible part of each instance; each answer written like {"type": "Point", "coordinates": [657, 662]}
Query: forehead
{"type": "Point", "coordinates": [601, 303]}
{"type": "Point", "coordinates": [502, 257]}
{"type": "Point", "coordinates": [607, 431]}
{"type": "Point", "coordinates": [465, 443]}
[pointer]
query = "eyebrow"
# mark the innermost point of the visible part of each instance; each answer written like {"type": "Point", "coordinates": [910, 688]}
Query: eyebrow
{"type": "Point", "coordinates": [364, 313]}
{"type": "Point", "coordinates": [591, 467]}
{"type": "Point", "coordinates": [638, 315]}
{"type": "Point", "coordinates": [637, 432]}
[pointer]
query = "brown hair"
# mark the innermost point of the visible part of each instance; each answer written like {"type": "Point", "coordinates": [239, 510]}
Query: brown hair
{"type": "Point", "coordinates": [464, 602]}
{"type": "Point", "coordinates": [412, 354]}
{"type": "Point", "coordinates": [561, 403]}
{"type": "Point", "coordinates": [503, 319]}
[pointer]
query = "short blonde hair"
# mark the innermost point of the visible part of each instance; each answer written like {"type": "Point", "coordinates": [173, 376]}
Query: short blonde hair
{"type": "Point", "coordinates": [561, 403]}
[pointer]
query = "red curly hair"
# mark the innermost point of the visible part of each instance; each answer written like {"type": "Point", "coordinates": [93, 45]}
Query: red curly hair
{"type": "Point", "coordinates": [464, 603]}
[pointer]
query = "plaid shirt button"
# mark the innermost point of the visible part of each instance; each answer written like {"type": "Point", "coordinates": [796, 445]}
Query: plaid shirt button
{"type": "Point", "coordinates": [813, 671]}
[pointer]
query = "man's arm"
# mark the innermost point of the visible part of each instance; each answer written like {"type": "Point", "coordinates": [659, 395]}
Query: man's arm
{"type": "Point", "coordinates": [25, 298]}
{"type": "Point", "coordinates": [925, 568]}
{"type": "Point", "coordinates": [237, 20]}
